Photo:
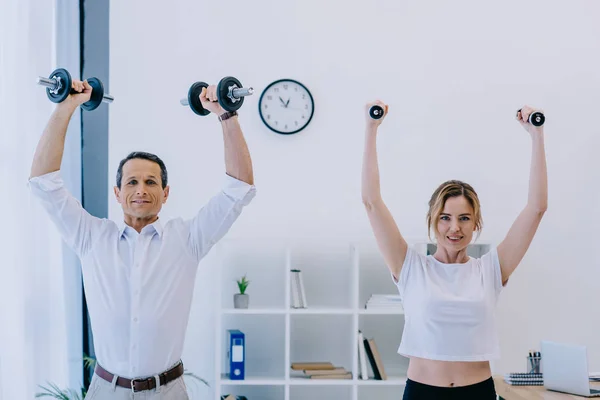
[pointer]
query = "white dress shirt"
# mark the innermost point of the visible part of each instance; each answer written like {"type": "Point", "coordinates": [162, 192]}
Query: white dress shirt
{"type": "Point", "coordinates": [139, 286]}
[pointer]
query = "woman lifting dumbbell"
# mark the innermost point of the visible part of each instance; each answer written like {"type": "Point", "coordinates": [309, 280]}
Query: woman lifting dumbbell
{"type": "Point", "coordinates": [449, 297]}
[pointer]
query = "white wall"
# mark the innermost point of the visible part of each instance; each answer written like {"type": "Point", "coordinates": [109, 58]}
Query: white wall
{"type": "Point", "coordinates": [453, 73]}
{"type": "Point", "coordinates": [40, 287]}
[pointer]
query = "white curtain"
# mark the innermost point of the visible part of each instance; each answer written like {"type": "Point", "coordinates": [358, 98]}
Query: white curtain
{"type": "Point", "coordinates": [40, 301]}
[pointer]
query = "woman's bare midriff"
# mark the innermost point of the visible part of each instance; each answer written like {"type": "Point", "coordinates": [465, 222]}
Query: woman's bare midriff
{"type": "Point", "coordinates": [448, 373]}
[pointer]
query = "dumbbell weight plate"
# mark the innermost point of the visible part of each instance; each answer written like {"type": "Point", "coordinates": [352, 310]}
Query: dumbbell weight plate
{"type": "Point", "coordinates": [223, 91]}
{"type": "Point", "coordinates": [376, 112]}
{"type": "Point", "coordinates": [65, 81]}
{"type": "Point", "coordinates": [97, 94]}
{"type": "Point", "coordinates": [194, 98]}
{"type": "Point", "coordinates": [537, 119]}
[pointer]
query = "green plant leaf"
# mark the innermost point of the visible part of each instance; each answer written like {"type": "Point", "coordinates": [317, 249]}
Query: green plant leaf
{"type": "Point", "coordinates": [55, 392]}
{"type": "Point", "coordinates": [243, 284]}
{"type": "Point", "coordinates": [89, 362]}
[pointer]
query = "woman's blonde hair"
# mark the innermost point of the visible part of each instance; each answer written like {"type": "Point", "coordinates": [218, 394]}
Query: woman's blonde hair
{"type": "Point", "coordinates": [446, 190]}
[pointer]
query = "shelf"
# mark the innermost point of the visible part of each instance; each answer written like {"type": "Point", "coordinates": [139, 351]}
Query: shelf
{"type": "Point", "coordinates": [311, 310]}
{"type": "Point", "coordinates": [338, 282]}
{"type": "Point", "coordinates": [394, 381]}
{"type": "Point", "coordinates": [330, 382]}
{"type": "Point", "coordinates": [325, 311]}
{"type": "Point", "coordinates": [251, 380]}
{"type": "Point", "coordinates": [391, 380]}
{"type": "Point", "coordinates": [398, 380]}
{"type": "Point", "coordinates": [381, 312]}
{"type": "Point", "coordinates": [253, 311]}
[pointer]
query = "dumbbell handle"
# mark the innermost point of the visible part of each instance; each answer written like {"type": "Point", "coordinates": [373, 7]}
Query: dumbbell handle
{"type": "Point", "coordinates": [237, 93]}
{"type": "Point", "coordinates": [52, 84]}
{"type": "Point", "coordinates": [241, 92]}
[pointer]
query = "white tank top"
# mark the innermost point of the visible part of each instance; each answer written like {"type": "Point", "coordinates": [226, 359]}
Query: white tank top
{"type": "Point", "coordinates": [450, 308]}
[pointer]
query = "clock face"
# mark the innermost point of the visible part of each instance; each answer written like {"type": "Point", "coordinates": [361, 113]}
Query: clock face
{"type": "Point", "coordinates": [286, 106]}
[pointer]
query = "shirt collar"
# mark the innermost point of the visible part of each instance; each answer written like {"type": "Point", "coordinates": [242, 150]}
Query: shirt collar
{"type": "Point", "coordinates": [155, 227]}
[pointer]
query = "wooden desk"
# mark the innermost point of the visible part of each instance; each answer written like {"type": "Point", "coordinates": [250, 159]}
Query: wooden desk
{"type": "Point", "coordinates": [510, 392]}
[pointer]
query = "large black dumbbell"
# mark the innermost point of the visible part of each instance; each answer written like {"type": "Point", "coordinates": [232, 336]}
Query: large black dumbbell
{"type": "Point", "coordinates": [376, 112]}
{"type": "Point", "coordinates": [230, 94]}
{"type": "Point", "coordinates": [58, 88]}
{"type": "Point", "coordinates": [536, 118]}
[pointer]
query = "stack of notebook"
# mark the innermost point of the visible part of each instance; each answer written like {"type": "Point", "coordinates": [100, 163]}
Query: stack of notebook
{"type": "Point", "coordinates": [384, 302]}
{"type": "Point", "coordinates": [319, 370]}
{"type": "Point", "coordinates": [524, 379]}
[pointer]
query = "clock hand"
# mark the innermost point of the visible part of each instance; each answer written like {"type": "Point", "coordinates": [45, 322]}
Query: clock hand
{"type": "Point", "coordinates": [282, 102]}
{"type": "Point", "coordinates": [288, 102]}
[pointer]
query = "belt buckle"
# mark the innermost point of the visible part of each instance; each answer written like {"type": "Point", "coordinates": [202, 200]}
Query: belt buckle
{"type": "Point", "coordinates": [133, 385]}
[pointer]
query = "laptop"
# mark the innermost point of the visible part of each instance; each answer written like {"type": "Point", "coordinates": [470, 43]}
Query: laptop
{"type": "Point", "coordinates": [565, 369]}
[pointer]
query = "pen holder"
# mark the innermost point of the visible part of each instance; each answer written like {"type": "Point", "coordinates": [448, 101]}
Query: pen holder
{"type": "Point", "coordinates": [534, 365]}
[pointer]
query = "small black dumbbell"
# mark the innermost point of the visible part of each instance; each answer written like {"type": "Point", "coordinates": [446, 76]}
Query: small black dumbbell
{"type": "Point", "coordinates": [58, 88]}
{"type": "Point", "coordinates": [230, 95]}
{"type": "Point", "coordinates": [536, 118]}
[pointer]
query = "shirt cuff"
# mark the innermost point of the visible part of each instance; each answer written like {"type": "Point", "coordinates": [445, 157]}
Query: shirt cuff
{"type": "Point", "coordinates": [238, 190]}
{"type": "Point", "coordinates": [47, 182]}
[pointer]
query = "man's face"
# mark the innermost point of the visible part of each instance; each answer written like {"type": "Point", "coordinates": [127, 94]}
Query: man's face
{"type": "Point", "coordinates": [141, 194]}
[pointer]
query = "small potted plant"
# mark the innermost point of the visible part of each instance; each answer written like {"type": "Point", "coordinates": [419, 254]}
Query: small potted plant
{"type": "Point", "coordinates": [240, 300]}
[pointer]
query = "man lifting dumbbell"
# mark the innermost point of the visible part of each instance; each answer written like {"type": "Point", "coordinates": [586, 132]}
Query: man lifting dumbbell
{"type": "Point", "coordinates": [139, 273]}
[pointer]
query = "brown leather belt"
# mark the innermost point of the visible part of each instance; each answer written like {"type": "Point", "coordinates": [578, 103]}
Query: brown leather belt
{"type": "Point", "coordinates": [138, 385]}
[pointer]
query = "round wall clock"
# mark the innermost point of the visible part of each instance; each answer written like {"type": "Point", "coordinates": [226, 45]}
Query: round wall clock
{"type": "Point", "coordinates": [286, 106]}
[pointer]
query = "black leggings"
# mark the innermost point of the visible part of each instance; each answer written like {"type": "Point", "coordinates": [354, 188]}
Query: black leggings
{"type": "Point", "coordinates": [480, 391]}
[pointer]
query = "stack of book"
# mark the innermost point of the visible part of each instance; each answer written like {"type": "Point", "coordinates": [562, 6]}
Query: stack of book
{"type": "Point", "coordinates": [368, 356]}
{"type": "Point", "coordinates": [298, 295]}
{"type": "Point", "coordinates": [384, 302]}
{"type": "Point", "coordinates": [524, 379]}
{"type": "Point", "coordinates": [320, 370]}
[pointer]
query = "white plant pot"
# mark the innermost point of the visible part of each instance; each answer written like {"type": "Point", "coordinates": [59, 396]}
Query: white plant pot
{"type": "Point", "coordinates": [240, 300]}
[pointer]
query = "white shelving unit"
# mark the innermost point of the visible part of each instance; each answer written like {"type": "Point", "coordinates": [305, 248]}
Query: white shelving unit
{"type": "Point", "coordinates": [338, 280]}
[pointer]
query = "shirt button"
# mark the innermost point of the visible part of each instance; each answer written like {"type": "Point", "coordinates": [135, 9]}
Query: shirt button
{"type": "Point", "coordinates": [137, 291]}
{"type": "Point", "coordinates": [134, 347]}
{"type": "Point", "coordinates": [135, 319]}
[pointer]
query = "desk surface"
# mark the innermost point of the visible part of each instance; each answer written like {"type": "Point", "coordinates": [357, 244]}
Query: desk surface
{"type": "Point", "coordinates": [510, 392]}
